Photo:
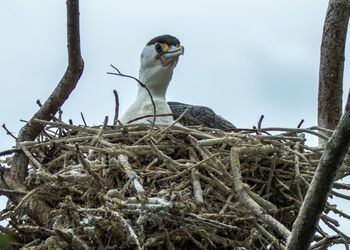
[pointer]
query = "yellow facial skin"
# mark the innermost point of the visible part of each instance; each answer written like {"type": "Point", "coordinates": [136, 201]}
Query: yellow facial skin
{"type": "Point", "coordinates": [164, 46]}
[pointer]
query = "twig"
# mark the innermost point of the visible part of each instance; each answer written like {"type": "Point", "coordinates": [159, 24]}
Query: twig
{"type": "Point", "coordinates": [132, 176]}
{"type": "Point", "coordinates": [251, 204]}
{"type": "Point", "coordinates": [268, 235]}
{"type": "Point", "coordinates": [116, 109]}
{"type": "Point", "coordinates": [340, 233]}
{"type": "Point", "coordinates": [143, 86]}
{"type": "Point", "coordinates": [100, 133]}
{"type": "Point", "coordinates": [197, 190]}
{"type": "Point", "coordinates": [7, 192]}
{"type": "Point", "coordinates": [268, 206]}
{"type": "Point", "coordinates": [146, 116]}
{"type": "Point", "coordinates": [72, 240]}
{"type": "Point", "coordinates": [272, 172]}
{"type": "Point", "coordinates": [10, 151]}
{"type": "Point", "coordinates": [39, 103]}
{"type": "Point", "coordinates": [83, 118]}
{"type": "Point", "coordinates": [300, 123]}
{"type": "Point", "coordinates": [60, 112]}
{"type": "Point", "coordinates": [298, 176]}
{"type": "Point", "coordinates": [66, 126]}
{"type": "Point", "coordinates": [222, 211]}
{"type": "Point", "coordinates": [25, 198]}
{"type": "Point", "coordinates": [196, 242]}
{"type": "Point", "coordinates": [213, 222]}
{"type": "Point", "coordinates": [165, 157]}
{"type": "Point", "coordinates": [8, 132]}
{"type": "Point", "coordinates": [225, 139]}
{"type": "Point", "coordinates": [36, 229]}
{"type": "Point", "coordinates": [115, 214]}
{"type": "Point", "coordinates": [327, 241]}
{"type": "Point", "coordinates": [296, 130]}
{"type": "Point", "coordinates": [30, 156]}
{"type": "Point", "coordinates": [259, 124]}
{"type": "Point", "coordinates": [171, 125]}
{"type": "Point", "coordinates": [100, 182]}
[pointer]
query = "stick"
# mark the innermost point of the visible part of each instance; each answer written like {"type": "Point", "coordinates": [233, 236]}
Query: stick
{"type": "Point", "coordinates": [132, 176]}
{"type": "Point", "coordinates": [8, 132]}
{"type": "Point", "coordinates": [116, 109]}
{"type": "Point", "coordinates": [249, 202]}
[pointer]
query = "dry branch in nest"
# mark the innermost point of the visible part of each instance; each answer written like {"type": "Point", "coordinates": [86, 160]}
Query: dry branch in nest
{"type": "Point", "coordinates": [129, 187]}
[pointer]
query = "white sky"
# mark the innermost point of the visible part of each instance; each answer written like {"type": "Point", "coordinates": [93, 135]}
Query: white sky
{"type": "Point", "coordinates": [242, 58]}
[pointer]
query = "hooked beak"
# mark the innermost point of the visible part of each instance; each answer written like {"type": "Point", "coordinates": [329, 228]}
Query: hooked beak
{"type": "Point", "coordinates": [171, 56]}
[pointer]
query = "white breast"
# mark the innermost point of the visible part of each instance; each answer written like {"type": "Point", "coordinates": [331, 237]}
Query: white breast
{"type": "Point", "coordinates": [143, 106]}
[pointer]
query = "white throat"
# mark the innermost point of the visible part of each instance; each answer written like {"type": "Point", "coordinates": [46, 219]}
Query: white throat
{"type": "Point", "coordinates": [157, 81]}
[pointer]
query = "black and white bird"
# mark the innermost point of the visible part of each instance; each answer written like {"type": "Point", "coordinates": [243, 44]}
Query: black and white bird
{"type": "Point", "coordinates": [158, 60]}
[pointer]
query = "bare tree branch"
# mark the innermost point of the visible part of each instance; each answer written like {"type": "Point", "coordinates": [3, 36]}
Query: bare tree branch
{"type": "Point", "coordinates": [332, 63]}
{"type": "Point", "coordinates": [60, 94]}
{"type": "Point", "coordinates": [305, 225]}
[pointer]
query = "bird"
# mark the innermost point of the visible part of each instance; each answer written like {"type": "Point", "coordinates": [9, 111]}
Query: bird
{"type": "Point", "coordinates": [158, 61]}
{"type": "Point", "coordinates": [200, 115]}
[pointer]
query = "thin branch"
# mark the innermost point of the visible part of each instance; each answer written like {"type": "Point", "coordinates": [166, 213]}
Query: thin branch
{"type": "Point", "coordinates": [10, 151]}
{"type": "Point", "coordinates": [7, 192]}
{"type": "Point", "coordinates": [143, 86]}
{"type": "Point", "coordinates": [298, 130]}
{"type": "Point", "coordinates": [145, 116]}
{"type": "Point", "coordinates": [99, 181]}
{"type": "Point", "coordinates": [68, 236]}
{"type": "Point", "coordinates": [116, 110]}
{"type": "Point", "coordinates": [100, 132]}
{"type": "Point", "coordinates": [132, 175]}
{"type": "Point", "coordinates": [259, 124]}
{"type": "Point", "coordinates": [300, 123]}
{"type": "Point", "coordinates": [248, 202]}
{"type": "Point", "coordinates": [8, 132]}
{"type": "Point", "coordinates": [83, 118]}
{"type": "Point", "coordinates": [162, 132]}
{"type": "Point", "coordinates": [197, 190]}
{"type": "Point", "coordinates": [39, 103]}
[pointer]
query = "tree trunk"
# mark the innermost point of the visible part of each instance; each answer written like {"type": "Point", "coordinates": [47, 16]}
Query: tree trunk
{"type": "Point", "coordinates": [330, 88]}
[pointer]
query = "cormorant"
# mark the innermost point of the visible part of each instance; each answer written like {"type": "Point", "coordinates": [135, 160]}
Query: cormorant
{"type": "Point", "coordinates": [158, 60]}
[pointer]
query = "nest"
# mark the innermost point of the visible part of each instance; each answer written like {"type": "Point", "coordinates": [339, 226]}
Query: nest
{"type": "Point", "coordinates": [133, 187]}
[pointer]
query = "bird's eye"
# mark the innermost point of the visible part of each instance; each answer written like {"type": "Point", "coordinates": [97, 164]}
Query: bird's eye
{"type": "Point", "coordinates": [161, 47]}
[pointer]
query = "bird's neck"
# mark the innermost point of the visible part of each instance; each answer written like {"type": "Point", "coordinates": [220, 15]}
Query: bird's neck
{"type": "Point", "coordinates": [157, 84]}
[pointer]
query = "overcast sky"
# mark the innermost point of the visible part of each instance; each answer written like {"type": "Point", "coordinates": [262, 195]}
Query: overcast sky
{"type": "Point", "coordinates": [242, 58]}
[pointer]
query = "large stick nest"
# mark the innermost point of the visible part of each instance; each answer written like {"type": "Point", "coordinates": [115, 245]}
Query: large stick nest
{"type": "Point", "coordinates": [167, 188]}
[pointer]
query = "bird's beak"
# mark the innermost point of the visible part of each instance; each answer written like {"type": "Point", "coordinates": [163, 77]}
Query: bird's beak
{"type": "Point", "coordinates": [171, 56]}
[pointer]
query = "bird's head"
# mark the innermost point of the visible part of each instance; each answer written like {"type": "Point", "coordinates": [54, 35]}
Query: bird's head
{"type": "Point", "coordinates": [158, 60]}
